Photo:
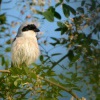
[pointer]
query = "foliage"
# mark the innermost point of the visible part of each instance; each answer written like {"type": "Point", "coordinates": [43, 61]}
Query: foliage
{"type": "Point", "coordinates": [80, 35]}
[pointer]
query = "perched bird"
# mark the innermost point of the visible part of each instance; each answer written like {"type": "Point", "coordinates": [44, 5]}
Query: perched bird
{"type": "Point", "coordinates": [25, 49]}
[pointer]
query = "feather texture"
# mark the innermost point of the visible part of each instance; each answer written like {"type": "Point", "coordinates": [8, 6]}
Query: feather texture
{"type": "Point", "coordinates": [25, 49]}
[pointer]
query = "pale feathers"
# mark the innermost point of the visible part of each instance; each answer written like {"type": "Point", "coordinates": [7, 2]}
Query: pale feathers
{"type": "Point", "coordinates": [25, 49]}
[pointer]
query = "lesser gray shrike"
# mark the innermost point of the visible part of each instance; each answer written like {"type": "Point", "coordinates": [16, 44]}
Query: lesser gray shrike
{"type": "Point", "coordinates": [25, 49]}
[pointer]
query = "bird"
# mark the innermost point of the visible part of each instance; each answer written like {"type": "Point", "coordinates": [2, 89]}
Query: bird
{"type": "Point", "coordinates": [25, 48]}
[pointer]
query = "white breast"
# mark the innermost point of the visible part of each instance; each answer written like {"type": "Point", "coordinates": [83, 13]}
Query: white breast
{"type": "Point", "coordinates": [25, 50]}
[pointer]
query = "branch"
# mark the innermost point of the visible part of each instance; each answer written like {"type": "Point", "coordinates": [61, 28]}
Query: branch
{"type": "Point", "coordinates": [60, 86]}
{"type": "Point", "coordinates": [14, 17]}
{"type": "Point", "coordinates": [7, 8]}
{"type": "Point", "coordinates": [52, 83]}
{"type": "Point", "coordinates": [4, 71]}
{"type": "Point", "coordinates": [7, 1]}
{"type": "Point", "coordinates": [58, 61]}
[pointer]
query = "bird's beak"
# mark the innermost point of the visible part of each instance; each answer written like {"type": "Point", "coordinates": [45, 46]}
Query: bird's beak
{"type": "Point", "coordinates": [36, 30]}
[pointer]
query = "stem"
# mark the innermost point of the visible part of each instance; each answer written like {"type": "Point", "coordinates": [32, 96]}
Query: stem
{"type": "Point", "coordinates": [15, 17]}
{"type": "Point", "coordinates": [4, 71]}
{"type": "Point", "coordinates": [63, 88]}
{"type": "Point", "coordinates": [58, 61]}
{"type": "Point", "coordinates": [7, 1]}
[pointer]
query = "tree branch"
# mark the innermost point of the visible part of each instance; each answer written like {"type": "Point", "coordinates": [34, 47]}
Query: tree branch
{"type": "Point", "coordinates": [7, 1]}
{"type": "Point", "coordinates": [58, 61]}
{"type": "Point", "coordinates": [60, 86]}
{"type": "Point", "coordinates": [4, 71]}
{"type": "Point", "coordinates": [52, 83]}
{"type": "Point", "coordinates": [14, 17]}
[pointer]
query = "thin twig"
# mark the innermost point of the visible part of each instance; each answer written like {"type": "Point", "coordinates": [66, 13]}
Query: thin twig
{"type": "Point", "coordinates": [14, 17]}
{"type": "Point", "coordinates": [7, 1]}
{"type": "Point", "coordinates": [58, 61]}
{"type": "Point", "coordinates": [4, 71]}
{"type": "Point", "coordinates": [63, 88]}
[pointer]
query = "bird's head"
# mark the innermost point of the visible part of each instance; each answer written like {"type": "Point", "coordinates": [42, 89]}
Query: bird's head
{"type": "Point", "coordinates": [27, 28]}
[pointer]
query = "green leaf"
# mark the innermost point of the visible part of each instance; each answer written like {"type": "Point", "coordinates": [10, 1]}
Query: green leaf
{"type": "Point", "coordinates": [66, 10]}
{"type": "Point", "coordinates": [49, 15]}
{"type": "Point", "coordinates": [55, 54]}
{"type": "Point", "coordinates": [8, 42]}
{"type": "Point", "coordinates": [70, 55]}
{"type": "Point", "coordinates": [80, 9]}
{"type": "Point", "coordinates": [2, 19]}
{"type": "Point", "coordinates": [61, 76]}
{"type": "Point", "coordinates": [62, 27]}
{"type": "Point", "coordinates": [17, 82]}
{"type": "Point", "coordinates": [51, 73]}
{"type": "Point", "coordinates": [64, 30]}
{"type": "Point", "coordinates": [41, 58]}
{"type": "Point", "coordinates": [74, 76]}
{"type": "Point", "coordinates": [60, 24]}
{"type": "Point", "coordinates": [15, 70]}
{"type": "Point", "coordinates": [1, 47]}
{"type": "Point", "coordinates": [3, 60]}
{"type": "Point", "coordinates": [59, 3]}
{"type": "Point", "coordinates": [7, 63]}
{"type": "Point", "coordinates": [75, 58]}
{"type": "Point", "coordinates": [2, 29]}
{"type": "Point", "coordinates": [95, 42]}
{"type": "Point", "coordinates": [72, 10]}
{"type": "Point", "coordinates": [93, 6]}
{"type": "Point", "coordinates": [55, 39]}
{"type": "Point", "coordinates": [39, 12]}
{"type": "Point", "coordinates": [98, 96]}
{"type": "Point", "coordinates": [26, 69]}
{"type": "Point", "coordinates": [8, 49]}
{"type": "Point", "coordinates": [58, 29]}
{"type": "Point", "coordinates": [82, 3]}
{"type": "Point", "coordinates": [13, 76]}
{"type": "Point", "coordinates": [33, 75]}
{"type": "Point", "coordinates": [51, 8]}
{"type": "Point", "coordinates": [53, 44]}
{"type": "Point", "coordinates": [57, 15]}
{"type": "Point", "coordinates": [2, 95]}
